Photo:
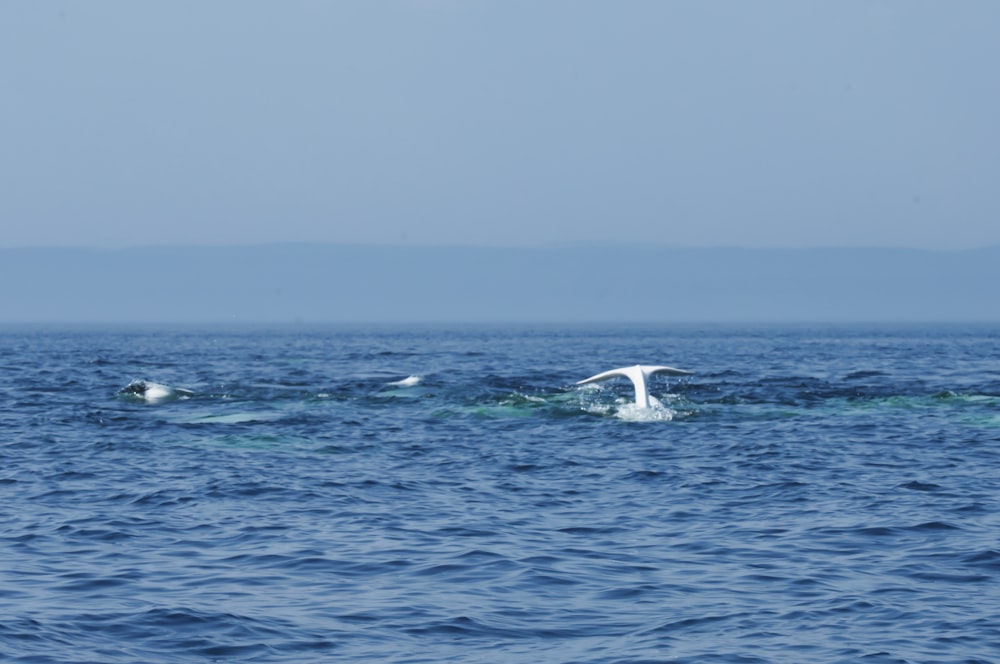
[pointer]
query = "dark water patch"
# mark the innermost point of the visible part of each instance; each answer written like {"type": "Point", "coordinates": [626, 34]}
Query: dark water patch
{"type": "Point", "coordinates": [933, 526]}
{"type": "Point", "coordinates": [864, 374]}
{"type": "Point", "coordinates": [989, 559]}
{"type": "Point", "coordinates": [920, 486]}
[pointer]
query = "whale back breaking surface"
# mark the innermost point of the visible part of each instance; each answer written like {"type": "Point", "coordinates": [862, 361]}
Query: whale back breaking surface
{"type": "Point", "coordinates": [147, 390]}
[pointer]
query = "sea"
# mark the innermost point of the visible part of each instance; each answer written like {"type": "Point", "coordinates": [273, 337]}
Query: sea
{"type": "Point", "coordinates": [448, 493]}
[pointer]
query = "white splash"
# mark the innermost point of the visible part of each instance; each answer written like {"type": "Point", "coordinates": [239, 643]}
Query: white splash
{"type": "Point", "coordinates": [652, 413]}
{"type": "Point", "coordinates": [624, 409]}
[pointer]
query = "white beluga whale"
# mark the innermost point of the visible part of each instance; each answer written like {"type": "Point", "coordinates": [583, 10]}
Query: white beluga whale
{"type": "Point", "coordinates": [409, 381]}
{"type": "Point", "coordinates": [639, 375]}
{"type": "Point", "coordinates": [149, 391]}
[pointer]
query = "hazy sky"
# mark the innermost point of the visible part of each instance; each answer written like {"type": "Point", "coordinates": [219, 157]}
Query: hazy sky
{"type": "Point", "coordinates": [511, 123]}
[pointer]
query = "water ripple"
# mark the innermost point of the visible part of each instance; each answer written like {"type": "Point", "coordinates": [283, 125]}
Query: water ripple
{"type": "Point", "coordinates": [816, 496]}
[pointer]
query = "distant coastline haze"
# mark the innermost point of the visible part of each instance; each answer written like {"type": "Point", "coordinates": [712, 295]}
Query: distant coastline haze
{"type": "Point", "coordinates": [378, 284]}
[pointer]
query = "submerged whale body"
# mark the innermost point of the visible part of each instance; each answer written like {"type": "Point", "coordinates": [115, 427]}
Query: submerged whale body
{"type": "Point", "coordinates": [150, 391]}
{"type": "Point", "coordinates": [639, 375]}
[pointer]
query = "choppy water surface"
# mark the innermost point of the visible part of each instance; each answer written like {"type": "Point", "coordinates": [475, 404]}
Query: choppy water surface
{"type": "Point", "coordinates": [448, 494]}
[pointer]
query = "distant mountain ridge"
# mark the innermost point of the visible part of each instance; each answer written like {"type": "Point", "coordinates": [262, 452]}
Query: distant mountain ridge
{"type": "Point", "coordinates": [368, 283]}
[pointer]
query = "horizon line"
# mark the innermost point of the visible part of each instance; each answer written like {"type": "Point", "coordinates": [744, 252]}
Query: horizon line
{"type": "Point", "coordinates": [561, 246]}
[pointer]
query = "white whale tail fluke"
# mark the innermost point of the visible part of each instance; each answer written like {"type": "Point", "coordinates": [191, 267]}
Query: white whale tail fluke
{"type": "Point", "coordinates": [639, 375]}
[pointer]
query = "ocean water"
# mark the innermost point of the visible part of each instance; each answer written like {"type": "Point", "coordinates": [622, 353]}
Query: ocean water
{"type": "Point", "coordinates": [448, 494]}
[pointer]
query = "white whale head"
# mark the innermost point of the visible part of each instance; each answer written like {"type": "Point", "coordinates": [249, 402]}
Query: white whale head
{"type": "Point", "coordinates": [149, 391]}
{"type": "Point", "coordinates": [638, 374]}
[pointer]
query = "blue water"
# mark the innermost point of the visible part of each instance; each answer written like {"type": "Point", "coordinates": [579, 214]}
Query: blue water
{"type": "Point", "coordinates": [447, 494]}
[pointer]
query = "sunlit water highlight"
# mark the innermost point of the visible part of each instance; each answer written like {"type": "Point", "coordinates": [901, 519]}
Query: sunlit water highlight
{"type": "Point", "coordinates": [448, 494]}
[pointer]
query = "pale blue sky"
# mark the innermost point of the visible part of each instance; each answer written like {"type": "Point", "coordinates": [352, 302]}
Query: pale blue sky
{"type": "Point", "coordinates": [700, 123]}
